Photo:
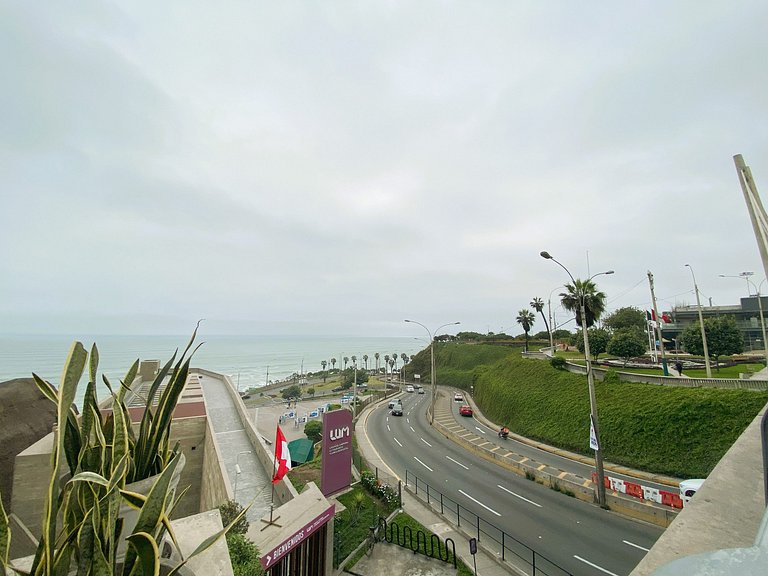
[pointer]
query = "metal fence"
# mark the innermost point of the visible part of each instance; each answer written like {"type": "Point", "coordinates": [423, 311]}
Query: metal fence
{"type": "Point", "coordinates": [493, 538]}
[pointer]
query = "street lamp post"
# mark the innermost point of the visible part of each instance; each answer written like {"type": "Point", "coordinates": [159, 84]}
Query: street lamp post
{"type": "Point", "coordinates": [701, 323]}
{"type": "Point", "coordinates": [757, 288]}
{"type": "Point", "coordinates": [590, 382]}
{"type": "Point", "coordinates": [237, 471]}
{"type": "Point", "coordinates": [432, 362]}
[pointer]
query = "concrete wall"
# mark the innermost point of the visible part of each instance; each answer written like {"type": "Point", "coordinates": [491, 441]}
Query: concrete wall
{"type": "Point", "coordinates": [215, 488]}
{"type": "Point", "coordinates": [191, 433]}
{"type": "Point", "coordinates": [284, 490]}
{"type": "Point", "coordinates": [31, 474]}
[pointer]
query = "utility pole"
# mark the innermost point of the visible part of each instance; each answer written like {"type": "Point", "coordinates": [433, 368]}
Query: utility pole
{"type": "Point", "coordinates": [658, 326]}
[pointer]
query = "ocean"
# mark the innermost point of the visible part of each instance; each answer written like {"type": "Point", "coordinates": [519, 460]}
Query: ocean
{"type": "Point", "coordinates": [247, 359]}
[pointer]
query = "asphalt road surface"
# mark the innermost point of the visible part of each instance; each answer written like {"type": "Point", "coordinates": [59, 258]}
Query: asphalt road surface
{"type": "Point", "coordinates": [579, 537]}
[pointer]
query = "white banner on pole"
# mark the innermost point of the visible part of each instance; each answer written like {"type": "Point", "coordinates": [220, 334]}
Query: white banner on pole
{"type": "Point", "coordinates": [592, 436]}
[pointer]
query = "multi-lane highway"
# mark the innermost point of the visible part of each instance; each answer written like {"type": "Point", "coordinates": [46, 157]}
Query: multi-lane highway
{"type": "Point", "coordinates": [579, 537]}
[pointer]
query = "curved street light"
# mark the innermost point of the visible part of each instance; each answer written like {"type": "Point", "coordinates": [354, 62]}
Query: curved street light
{"type": "Point", "coordinates": [757, 287]}
{"type": "Point", "coordinates": [590, 381]}
{"type": "Point", "coordinates": [432, 360]}
{"type": "Point", "coordinates": [701, 324]}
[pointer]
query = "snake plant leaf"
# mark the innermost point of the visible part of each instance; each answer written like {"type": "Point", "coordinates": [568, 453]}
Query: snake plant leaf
{"type": "Point", "coordinates": [119, 434]}
{"type": "Point", "coordinates": [126, 384]}
{"type": "Point", "coordinates": [147, 551]}
{"type": "Point", "coordinates": [107, 384]}
{"type": "Point", "coordinates": [90, 477]}
{"type": "Point", "coordinates": [5, 537]}
{"type": "Point", "coordinates": [71, 374]}
{"type": "Point", "coordinates": [154, 507]}
{"type": "Point", "coordinates": [93, 366]}
{"type": "Point", "coordinates": [133, 499]}
{"type": "Point", "coordinates": [85, 541]}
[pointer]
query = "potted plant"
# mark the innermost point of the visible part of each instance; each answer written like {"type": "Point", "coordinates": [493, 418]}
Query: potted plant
{"type": "Point", "coordinates": [85, 528]}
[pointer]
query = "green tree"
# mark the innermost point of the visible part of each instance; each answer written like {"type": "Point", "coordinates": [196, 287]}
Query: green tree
{"type": "Point", "coordinates": [628, 317]}
{"type": "Point", "coordinates": [627, 343]}
{"type": "Point", "coordinates": [291, 392]}
{"type": "Point", "coordinates": [348, 377]}
{"type": "Point", "coordinates": [538, 305]}
{"type": "Point", "coordinates": [594, 300]}
{"type": "Point", "coordinates": [562, 335]}
{"type": "Point", "coordinates": [311, 391]}
{"type": "Point", "coordinates": [229, 511]}
{"type": "Point", "coordinates": [723, 337]}
{"type": "Point", "coordinates": [244, 556]}
{"type": "Point", "coordinates": [525, 318]}
{"type": "Point", "coordinates": [346, 361]}
{"type": "Point", "coordinates": [314, 430]}
{"type": "Point", "coordinates": [598, 341]}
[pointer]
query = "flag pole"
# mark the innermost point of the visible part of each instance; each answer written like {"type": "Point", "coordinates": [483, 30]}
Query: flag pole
{"type": "Point", "coordinates": [272, 521]}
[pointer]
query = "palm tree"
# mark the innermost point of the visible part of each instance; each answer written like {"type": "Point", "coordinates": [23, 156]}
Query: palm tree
{"type": "Point", "coordinates": [354, 359]}
{"type": "Point", "coordinates": [395, 357]}
{"type": "Point", "coordinates": [365, 359]}
{"type": "Point", "coordinates": [376, 356]}
{"type": "Point", "coordinates": [526, 318]}
{"type": "Point", "coordinates": [386, 362]}
{"type": "Point", "coordinates": [538, 305]}
{"type": "Point", "coordinates": [333, 363]}
{"type": "Point", "coordinates": [404, 358]}
{"type": "Point", "coordinates": [324, 364]}
{"type": "Point", "coordinates": [346, 359]}
{"type": "Point", "coordinates": [594, 301]}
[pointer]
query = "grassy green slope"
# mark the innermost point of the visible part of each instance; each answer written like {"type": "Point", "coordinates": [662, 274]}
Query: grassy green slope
{"type": "Point", "coordinates": [678, 431]}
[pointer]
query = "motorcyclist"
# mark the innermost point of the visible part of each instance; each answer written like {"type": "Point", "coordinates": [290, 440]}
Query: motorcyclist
{"type": "Point", "coordinates": [503, 432]}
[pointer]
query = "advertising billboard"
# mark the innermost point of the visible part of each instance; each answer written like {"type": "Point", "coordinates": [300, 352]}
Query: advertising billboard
{"type": "Point", "coordinates": [336, 473]}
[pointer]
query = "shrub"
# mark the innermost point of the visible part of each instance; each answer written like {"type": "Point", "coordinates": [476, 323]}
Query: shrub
{"type": "Point", "coordinates": [314, 430]}
{"type": "Point", "coordinates": [229, 511]}
{"type": "Point", "coordinates": [611, 377]}
{"type": "Point", "coordinates": [244, 556]}
{"type": "Point", "coordinates": [383, 492]}
{"type": "Point", "coordinates": [557, 362]}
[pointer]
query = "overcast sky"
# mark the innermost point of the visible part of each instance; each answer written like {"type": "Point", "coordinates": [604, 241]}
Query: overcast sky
{"type": "Point", "coordinates": [337, 167]}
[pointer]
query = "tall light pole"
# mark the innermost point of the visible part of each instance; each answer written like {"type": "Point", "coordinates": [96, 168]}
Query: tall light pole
{"type": "Point", "coordinates": [701, 323]}
{"type": "Point", "coordinates": [757, 288]}
{"type": "Point", "coordinates": [551, 322]}
{"type": "Point", "coordinates": [432, 360]}
{"type": "Point", "coordinates": [590, 382]}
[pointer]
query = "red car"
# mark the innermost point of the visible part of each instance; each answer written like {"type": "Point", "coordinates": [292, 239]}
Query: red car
{"type": "Point", "coordinates": [465, 410]}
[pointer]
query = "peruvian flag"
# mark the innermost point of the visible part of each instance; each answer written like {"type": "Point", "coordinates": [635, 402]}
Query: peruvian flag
{"type": "Point", "coordinates": [282, 457]}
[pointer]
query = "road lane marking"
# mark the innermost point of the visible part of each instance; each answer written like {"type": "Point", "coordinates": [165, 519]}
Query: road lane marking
{"type": "Point", "coordinates": [478, 428]}
{"type": "Point", "coordinates": [480, 503]}
{"type": "Point", "coordinates": [427, 443]}
{"type": "Point", "coordinates": [495, 448]}
{"type": "Point", "coordinates": [398, 442]}
{"type": "Point", "coordinates": [422, 463]}
{"type": "Point", "coordinates": [388, 428]}
{"type": "Point", "coordinates": [628, 543]}
{"type": "Point", "coordinates": [408, 419]}
{"type": "Point", "coordinates": [595, 566]}
{"type": "Point", "coordinates": [457, 462]}
{"type": "Point", "coordinates": [518, 496]}
{"type": "Point", "coordinates": [412, 430]}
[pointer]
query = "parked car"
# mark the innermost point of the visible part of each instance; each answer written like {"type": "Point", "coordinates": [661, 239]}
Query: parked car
{"type": "Point", "coordinates": [397, 410]}
{"type": "Point", "coordinates": [458, 397]}
{"type": "Point", "coordinates": [465, 410]}
{"type": "Point", "coordinates": [409, 388]}
{"type": "Point", "coordinates": [421, 390]}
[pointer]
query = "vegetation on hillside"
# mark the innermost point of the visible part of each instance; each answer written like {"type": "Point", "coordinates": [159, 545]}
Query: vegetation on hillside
{"type": "Point", "coordinates": [677, 431]}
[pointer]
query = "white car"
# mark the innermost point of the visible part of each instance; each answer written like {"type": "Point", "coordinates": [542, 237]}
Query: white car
{"type": "Point", "coordinates": [688, 488]}
{"type": "Point", "coordinates": [458, 397]}
{"type": "Point", "coordinates": [409, 388]}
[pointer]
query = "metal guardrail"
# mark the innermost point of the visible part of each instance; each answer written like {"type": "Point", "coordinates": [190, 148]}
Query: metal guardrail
{"type": "Point", "coordinates": [505, 546]}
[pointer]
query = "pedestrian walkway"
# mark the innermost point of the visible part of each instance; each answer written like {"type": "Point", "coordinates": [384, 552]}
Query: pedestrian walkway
{"type": "Point", "coordinates": [252, 483]}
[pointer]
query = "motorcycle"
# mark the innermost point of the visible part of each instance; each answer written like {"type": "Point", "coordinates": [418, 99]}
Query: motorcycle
{"type": "Point", "coordinates": [503, 434]}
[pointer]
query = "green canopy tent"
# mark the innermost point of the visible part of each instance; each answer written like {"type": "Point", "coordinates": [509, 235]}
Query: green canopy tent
{"type": "Point", "coordinates": [302, 450]}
